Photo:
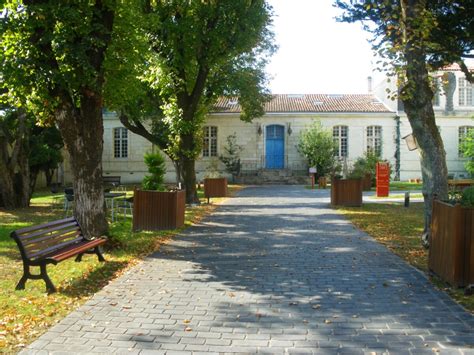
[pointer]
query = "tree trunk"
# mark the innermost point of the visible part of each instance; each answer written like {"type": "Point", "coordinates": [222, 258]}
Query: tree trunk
{"type": "Point", "coordinates": [189, 170]}
{"type": "Point", "coordinates": [48, 173]}
{"type": "Point", "coordinates": [14, 167]}
{"type": "Point", "coordinates": [82, 131]}
{"type": "Point", "coordinates": [417, 96]}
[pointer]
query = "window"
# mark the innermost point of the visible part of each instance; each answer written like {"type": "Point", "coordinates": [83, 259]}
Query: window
{"type": "Point", "coordinates": [374, 139]}
{"type": "Point", "coordinates": [465, 92]}
{"type": "Point", "coordinates": [210, 142]}
{"type": "Point", "coordinates": [463, 132]}
{"type": "Point", "coordinates": [120, 142]}
{"type": "Point", "coordinates": [339, 134]}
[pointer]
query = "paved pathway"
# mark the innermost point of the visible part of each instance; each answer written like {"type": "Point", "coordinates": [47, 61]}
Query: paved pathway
{"type": "Point", "coordinates": [272, 271]}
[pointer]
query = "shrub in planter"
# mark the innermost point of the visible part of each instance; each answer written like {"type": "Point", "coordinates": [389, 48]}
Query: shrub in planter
{"type": "Point", "coordinates": [467, 197]}
{"type": "Point", "coordinates": [364, 167]}
{"type": "Point", "coordinates": [157, 168]}
{"type": "Point", "coordinates": [153, 207]}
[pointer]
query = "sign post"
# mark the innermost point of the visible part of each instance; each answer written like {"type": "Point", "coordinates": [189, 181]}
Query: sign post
{"type": "Point", "coordinates": [312, 172]}
{"type": "Point", "coordinates": [383, 179]}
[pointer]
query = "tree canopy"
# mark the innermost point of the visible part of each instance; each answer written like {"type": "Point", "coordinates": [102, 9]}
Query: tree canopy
{"type": "Point", "coordinates": [54, 63]}
{"type": "Point", "coordinates": [413, 38]}
{"type": "Point", "coordinates": [199, 51]}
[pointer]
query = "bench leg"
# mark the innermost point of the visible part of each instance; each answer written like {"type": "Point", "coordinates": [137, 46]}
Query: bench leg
{"type": "Point", "coordinates": [26, 275]}
{"type": "Point", "coordinates": [24, 278]}
{"type": "Point", "coordinates": [99, 253]}
{"type": "Point", "coordinates": [44, 275]}
{"type": "Point", "coordinates": [96, 251]}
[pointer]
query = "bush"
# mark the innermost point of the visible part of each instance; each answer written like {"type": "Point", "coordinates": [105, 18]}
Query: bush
{"type": "Point", "coordinates": [231, 159]}
{"type": "Point", "coordinates": [157, 168]}
{"type": "Point", "coordinates": [366, 164]}
{"type": "Point", "coordinates": [467, 198]}
{"type": "Point", "coordinates": [316, 144]}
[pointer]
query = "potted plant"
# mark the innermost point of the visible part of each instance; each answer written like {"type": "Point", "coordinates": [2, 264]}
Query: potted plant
{"type": "Point", "coordinates": [154, 208]}
{"type": "Point", "coordinates": [364, 168]}
{"type": "Point", "coordinates": [214, 184]}
{"type": "Point", "coordinates": [451, 251]}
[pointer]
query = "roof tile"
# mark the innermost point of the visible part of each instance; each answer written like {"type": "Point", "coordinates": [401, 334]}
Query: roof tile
{"type": "Point", "coordinates": [289, 103]}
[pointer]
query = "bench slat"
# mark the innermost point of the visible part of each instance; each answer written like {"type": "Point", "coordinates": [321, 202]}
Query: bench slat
{"type": "Point", "coordinates": [73, 250]}
{"type": "Point", "coordinates": [24, 237]}
{"type": "Point", "coordinates": [32, 238]}
{"type": "Point", "coordinates": [18, 232]}
{"type": "Point", "coordinates": [53, 248]}
{"type": "Point", "coordinates": [34, 249]}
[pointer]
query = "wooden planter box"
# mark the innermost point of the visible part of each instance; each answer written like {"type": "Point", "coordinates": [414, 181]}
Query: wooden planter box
{"type": "Point", "coordinates": [322, 182]}
{"type": "Point", "coordinates": [157, 210]}
{"type": "Point", "coordinates": [367, 182]}
{"type": "Point", "coordinates": [451, 253]}
{"type": "Point", "coordinates": [346, 192]}
{"type": "Point", "coordinates": [215, 187]}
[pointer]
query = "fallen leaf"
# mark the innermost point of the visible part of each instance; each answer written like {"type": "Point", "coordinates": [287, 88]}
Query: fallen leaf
{"type": "Point", "coordinates": [188, 329]}
{"type": "Point", "coordinates": [186, 321]}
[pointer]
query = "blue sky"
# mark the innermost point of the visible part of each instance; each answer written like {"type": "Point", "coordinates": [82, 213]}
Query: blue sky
{"type": "Point", "coordinates": [317, 54]}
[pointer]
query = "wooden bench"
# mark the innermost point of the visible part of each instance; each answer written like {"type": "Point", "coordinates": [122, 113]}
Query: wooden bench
{"type": "Point", "coordinates": [51, 243]}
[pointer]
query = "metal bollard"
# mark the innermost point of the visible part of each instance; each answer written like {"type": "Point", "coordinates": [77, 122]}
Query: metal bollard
{"type": "Point", "coordinates": [407, 199]}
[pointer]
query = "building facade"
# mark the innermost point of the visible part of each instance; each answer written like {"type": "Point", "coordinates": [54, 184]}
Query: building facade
{"type": "Point", "coordinates": [357, 123]}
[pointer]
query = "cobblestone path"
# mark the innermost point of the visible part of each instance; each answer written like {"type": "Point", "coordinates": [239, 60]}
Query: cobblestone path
{"type": "Point", "coordinates": [272, 271]}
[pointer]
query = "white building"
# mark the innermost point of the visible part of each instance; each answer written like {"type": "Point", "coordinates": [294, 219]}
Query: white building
{"type": "Point", "coordinates": [358, 122]}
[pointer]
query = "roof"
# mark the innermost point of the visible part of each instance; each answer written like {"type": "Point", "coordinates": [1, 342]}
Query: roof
{"type": "Point", "coordinates": [310, 103]}
{"type": "Point", "coordinates": [455, 67]}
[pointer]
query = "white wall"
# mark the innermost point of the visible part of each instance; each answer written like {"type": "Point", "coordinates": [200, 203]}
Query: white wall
{"type": "Point", "coordinates": [132, 169]}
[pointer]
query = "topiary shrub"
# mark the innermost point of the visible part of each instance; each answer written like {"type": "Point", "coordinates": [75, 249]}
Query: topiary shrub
{"type": "Point", "coordinates": [157, 168]}
{"type": "Point", "coordinates": [467, 198]}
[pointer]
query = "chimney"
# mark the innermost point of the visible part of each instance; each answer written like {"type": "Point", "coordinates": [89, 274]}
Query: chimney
{"type": "Point", "coordinates": [369, 84]}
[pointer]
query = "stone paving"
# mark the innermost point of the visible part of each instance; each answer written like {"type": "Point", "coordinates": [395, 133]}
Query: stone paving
{"type": "Point", "coordinates": [274, 270]}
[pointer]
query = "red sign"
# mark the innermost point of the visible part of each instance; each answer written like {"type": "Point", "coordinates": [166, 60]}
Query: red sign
{"type": "Point", "coordinates": [383, 179]}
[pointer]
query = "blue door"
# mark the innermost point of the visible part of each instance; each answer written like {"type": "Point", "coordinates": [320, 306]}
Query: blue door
{"type": "Point", "coordinates": [275, 147]}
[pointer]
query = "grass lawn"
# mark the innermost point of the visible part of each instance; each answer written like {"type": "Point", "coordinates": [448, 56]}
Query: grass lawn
{"type": "Point", "coordinates": [28, 313]}
{"type": "Point", "coordinates": [399, 228]}
{"type": "Point", "coordinates": [405, 186]}
{"type": "Point", "coordinates": [394, 186]}
{"type": "Point", "coordinates": [395, 195]}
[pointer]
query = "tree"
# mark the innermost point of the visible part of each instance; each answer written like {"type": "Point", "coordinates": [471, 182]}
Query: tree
{"type": "Point", "coordinates": [54, 63]}
{"type": "Point", "coordinates": [416, 37]}
{"type": "Point", "coordinates": [317, 145]}
{"type": "Point", "coordinates": [14, 150]}
{"type": "Point", "coordinates": [231, 158]}
{"type": "Point", "coordinates": [202, 50]}
{"type": "Point", "coordinates": [45, 155]}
